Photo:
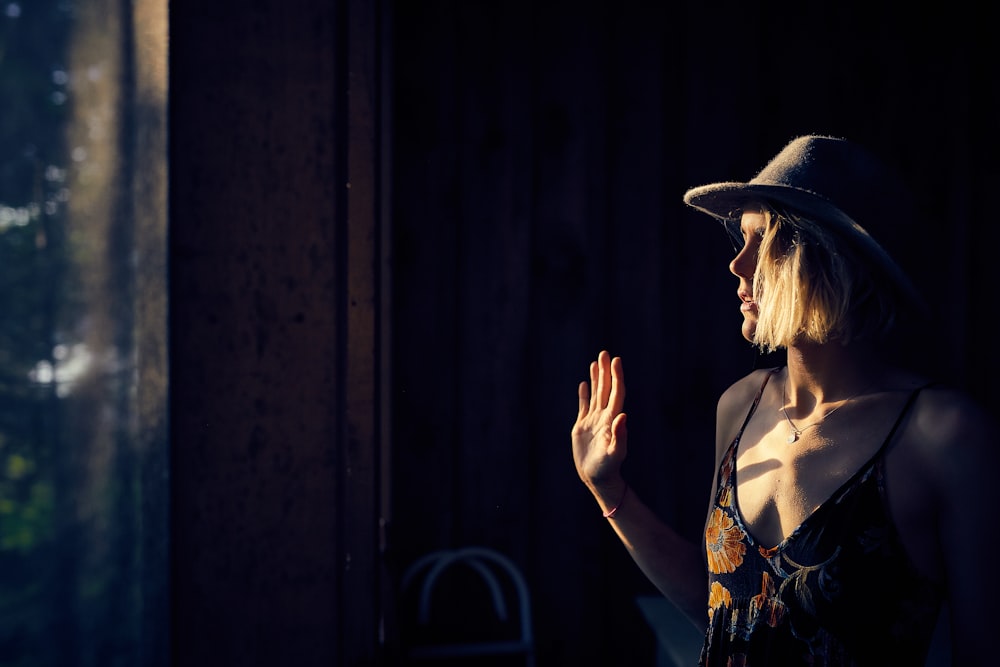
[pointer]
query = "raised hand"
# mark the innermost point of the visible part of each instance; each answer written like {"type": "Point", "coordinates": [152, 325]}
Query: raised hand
{"type": "Point", "coordinates": [599, 434]}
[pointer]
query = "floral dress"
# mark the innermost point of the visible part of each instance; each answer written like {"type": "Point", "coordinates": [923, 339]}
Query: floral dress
{"type": "Point", "coordinates": [840, 590]}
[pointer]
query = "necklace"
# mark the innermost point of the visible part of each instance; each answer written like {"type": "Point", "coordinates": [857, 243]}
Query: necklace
{"type": "Point", "coordinates": [796, 431]}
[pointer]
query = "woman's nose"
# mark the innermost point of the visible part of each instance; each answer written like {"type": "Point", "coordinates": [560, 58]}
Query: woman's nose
{"type": "Point", "coordinates": [745, 262]}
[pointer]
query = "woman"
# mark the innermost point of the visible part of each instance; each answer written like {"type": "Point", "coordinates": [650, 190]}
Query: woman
{"type": "Point", "coordinates": [849, 503]}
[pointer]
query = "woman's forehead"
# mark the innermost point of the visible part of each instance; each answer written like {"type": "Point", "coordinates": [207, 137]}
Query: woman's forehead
{"type": "Point", "coordinates": [752, 218]}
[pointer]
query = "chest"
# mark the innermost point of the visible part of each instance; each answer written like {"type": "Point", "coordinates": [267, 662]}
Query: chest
{"type": "Point", "coordinates": [779, 485]}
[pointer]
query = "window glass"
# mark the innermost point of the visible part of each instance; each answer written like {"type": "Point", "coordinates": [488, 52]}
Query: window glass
{"type": "Point", "coordinates": [82, 411]}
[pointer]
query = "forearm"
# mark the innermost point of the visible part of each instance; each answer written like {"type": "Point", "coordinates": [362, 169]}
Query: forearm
{"type": "Point", "coordinates": [672, 563]}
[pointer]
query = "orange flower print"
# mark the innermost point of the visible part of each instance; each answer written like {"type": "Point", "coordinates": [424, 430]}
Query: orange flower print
{"type": "Point", "coordinates": [718, 596]}
{"type": "Point", "coordinates": [768, 552]}
{"type": "Point", "coordinates": [726, 496]}
{"type": "Point", "coordinates": [723, 543]}
{"type": "Point", "coordinates": [765, 605]}
{"type": "Point", "coordinates": [726, 468]}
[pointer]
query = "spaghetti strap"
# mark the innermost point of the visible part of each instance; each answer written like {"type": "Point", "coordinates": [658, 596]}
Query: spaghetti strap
{"type": "Point", "coordinates": [756, 401]}
{"type": "Point", "coordinates": [910, 400]}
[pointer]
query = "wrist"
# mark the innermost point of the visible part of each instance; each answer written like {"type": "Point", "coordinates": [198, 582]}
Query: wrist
{"type": "Point", "coordinates": [610, 513]}
{"type": "Point", "coordinates": [609, 495]}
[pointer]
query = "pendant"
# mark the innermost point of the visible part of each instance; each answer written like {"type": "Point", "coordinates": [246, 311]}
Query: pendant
{"type": "Point", "coordinates": [792, 437]}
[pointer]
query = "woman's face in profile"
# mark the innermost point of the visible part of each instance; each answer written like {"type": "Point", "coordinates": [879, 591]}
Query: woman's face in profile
{"type": "Point", "coordinates": [752, 225]}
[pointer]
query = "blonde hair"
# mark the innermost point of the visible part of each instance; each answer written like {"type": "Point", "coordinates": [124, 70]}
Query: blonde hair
{"type": "Point", "coordinates": [810, 285]}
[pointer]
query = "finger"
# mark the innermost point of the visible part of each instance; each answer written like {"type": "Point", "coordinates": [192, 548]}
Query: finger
{"type": "Point", "coordinates": [583, 392]}
{"type": "Point", "coordinates": [593, 385]}
{"type": "Point", "coordinates": [604, 378]}
{"type": "Point", "coordinates": [617, 401]}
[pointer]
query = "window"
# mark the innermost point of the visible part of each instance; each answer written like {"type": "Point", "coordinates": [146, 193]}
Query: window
{"type": "Point", "coordinates": [83, 460]}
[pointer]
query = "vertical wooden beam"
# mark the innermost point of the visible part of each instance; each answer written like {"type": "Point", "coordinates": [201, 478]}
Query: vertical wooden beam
{"type": "Point", "coordinates": [360, 458]}
{"type": "Point", "coordinates": [274, 323]}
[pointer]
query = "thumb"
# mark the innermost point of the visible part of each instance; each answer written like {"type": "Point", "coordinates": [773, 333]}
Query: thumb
{"type": "Point", "coordinates": [619, 433]}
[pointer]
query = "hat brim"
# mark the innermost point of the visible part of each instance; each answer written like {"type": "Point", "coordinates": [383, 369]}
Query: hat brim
{"type": "Point", "coordinates": [726, 202]}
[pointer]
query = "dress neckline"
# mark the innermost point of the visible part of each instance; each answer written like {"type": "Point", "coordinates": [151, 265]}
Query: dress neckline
{"type": "Point", "coordinates": [859, 476]}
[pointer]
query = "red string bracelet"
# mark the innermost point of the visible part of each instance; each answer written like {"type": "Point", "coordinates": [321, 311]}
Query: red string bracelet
{"type": "Point", "coordinates": [611, 512]}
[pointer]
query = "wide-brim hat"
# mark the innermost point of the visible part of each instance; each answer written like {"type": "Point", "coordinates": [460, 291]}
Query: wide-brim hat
{"type": "Point", "coordinates": [829, 181]}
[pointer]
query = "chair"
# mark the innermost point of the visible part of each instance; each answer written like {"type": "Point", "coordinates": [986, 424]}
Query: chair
{"type": "Point", "coordinates": [499, 578]}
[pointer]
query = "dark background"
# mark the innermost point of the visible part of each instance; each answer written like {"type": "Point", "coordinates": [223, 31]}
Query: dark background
{"type": "Point", "coordinates": [362, 375]}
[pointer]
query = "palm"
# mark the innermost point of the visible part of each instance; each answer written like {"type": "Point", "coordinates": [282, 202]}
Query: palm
{"type": "Point", "coordinates": [592, 444]}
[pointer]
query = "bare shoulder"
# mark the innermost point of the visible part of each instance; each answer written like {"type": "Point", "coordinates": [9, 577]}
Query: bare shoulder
{"type": "Point", "coordinates": [953, 436]}
{"type": "Point", "coordinates": [734, 404]}
{"type": "Point", "coordinates": [742, 392]}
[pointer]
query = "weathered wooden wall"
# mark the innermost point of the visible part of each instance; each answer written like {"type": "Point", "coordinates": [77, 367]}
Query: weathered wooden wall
{"type": "Point", "coordinates": [275, 352]}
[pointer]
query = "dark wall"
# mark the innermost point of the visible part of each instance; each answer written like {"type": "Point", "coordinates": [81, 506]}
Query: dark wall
{"type": "Point", "coordinates": [274, 343]}
{"type": "Point", "coordinates": [538, 155]}
{"type": "Point", "coordinates": [540, 151]}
